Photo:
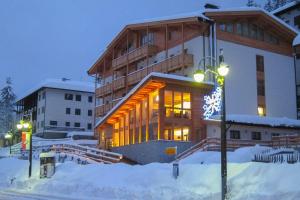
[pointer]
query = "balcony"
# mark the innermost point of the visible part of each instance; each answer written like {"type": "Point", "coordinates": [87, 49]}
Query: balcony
{"type": "Point", "coordinates": [165, 66]}
{"type": "Point", "coordinates": [104, 90]}
{"type": "Point", "coordinates": [133, 56]}
{"type": "Point", "coordinates": [119, 83]}
{"type": "Point", "coordinates": [104, 108]}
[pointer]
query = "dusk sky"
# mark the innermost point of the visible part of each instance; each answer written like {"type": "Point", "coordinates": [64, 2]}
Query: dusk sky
{"type": "Point", "coordinates": [63, 38]}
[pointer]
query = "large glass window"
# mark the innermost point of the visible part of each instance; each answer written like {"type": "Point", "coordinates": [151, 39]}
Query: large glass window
{"type": "Point", "coordinates": [153, 115]}
{"type": "Point", "coordinates": [116, 137]}
{"type": "Point", "coordinates": [126, 128]}
{"type": "Point", "coordinates": [181, 134]}
{"type": "Point", "coordinates": [137, 124]}
{"type": "Point", "coordinates": [144, 119]}
{"type": "Point", "coordinates": [179, 106]}
{"type": "Point", "coordinates": [122, 131]}
{"type": "Point", "coordinates": [169, 103]}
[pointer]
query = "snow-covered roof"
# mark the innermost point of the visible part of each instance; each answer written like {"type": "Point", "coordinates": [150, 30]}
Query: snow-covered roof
{"type": "Point", "coordinates": [296, 40]}
{"type": "Point", "coordinates": [198, 13]}
{"type": "Point", "coordinates": [61, 84]}
{"type": "Point", "coordinates": [258, 120]}
{"type": "Point", "coordinates": [145, 79]}
{"type": "Point", "coordinates": [286, 6]}
{"type": "Point", "coordinates": [246, 9]}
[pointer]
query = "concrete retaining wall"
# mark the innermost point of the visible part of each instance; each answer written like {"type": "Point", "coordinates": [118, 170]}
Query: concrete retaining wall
{"type": "Point", "coordinates": [152, 151]}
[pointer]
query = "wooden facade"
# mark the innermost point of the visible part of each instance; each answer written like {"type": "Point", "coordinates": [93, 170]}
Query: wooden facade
{"type": "Point", "coordinates": [160, 109]}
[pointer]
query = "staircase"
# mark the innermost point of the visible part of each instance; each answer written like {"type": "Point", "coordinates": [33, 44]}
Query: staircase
{"type": "Point", "coordinates": [89, 154]}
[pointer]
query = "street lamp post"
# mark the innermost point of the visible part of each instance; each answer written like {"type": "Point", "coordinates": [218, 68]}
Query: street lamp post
{"type": "Point", "coordinates": [26, 126]}
{"type": "Point", "coordinates": [220, 72]}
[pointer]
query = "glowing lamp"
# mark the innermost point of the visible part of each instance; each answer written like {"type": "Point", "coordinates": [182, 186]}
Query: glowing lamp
{"type": "Point", "coordinates": [19, 126]}
{"type": "Point", "coordinates": [223, 69]}
{"type": "Point", "coordinates": [26, 125]}
{"type": "Point", "coordinates": [199, 76]}
{"type": "Point", "coordinates": [260, 111]}
{"type": "Point", "coordinates": [8, 136]}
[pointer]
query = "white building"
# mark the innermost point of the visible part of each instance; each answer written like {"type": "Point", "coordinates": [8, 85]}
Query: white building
{"type": "Point", "coordinates": [58, 106]}
{"type": "Point", "coordinates": [290, 14]}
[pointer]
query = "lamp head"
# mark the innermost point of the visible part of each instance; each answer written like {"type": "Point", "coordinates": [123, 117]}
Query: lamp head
{"type": "Point", "coordinates": [7, 136]}
{"type": "Point", "coordinates": [19, 126]}
{"type": "Point", "coordinates": [223, 69]}
{"type": "Point", "coordinates": [26, 125]}
{"type": "Point", "coordinates": [199, 76]}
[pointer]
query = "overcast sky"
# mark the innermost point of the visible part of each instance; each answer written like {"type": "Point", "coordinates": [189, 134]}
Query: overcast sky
{"type": "Point", "coordinates": [42, 39]}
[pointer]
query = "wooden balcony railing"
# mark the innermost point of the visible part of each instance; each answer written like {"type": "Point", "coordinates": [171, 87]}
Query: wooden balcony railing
{"type": "Point", "coordinates": [107, 89]}
{"type": "Point", "coordinates": [119, 83]}
{"type": "Point", "coordinates": [168, 65]}
{"type": "Point", "coordinates": [104, 108]}
{"type": "Point", "coordinates": [133, 56]}
{"type": "Point", "coordinates": [103, 90]}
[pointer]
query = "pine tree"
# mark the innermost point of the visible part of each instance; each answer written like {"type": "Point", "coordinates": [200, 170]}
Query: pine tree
{"type": "Point", "coordinates": [7, 101]}
{"type": "Point", "coordinates": [268, 6]}
{"type": "Point", "coordinates": [250, 3]}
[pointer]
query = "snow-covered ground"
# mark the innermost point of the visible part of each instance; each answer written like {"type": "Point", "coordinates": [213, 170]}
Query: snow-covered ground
{"type": "Point", "coordinates": [246, 180]}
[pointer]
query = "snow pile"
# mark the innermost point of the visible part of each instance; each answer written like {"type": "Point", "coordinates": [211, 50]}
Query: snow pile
{"type": "Point", "coordinates": [246, 180]}
{"type": "Point", "coordinates": [240, 155]}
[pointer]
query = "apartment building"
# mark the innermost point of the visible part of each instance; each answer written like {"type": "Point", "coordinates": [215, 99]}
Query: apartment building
{"type": "Point", "coordinates": [57, 107]}
{"type": "Point", "coordinates": [141, 108]}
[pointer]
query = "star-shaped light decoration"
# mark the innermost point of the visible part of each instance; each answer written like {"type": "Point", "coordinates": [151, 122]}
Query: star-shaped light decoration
{"type": "Point", "coordinates": [212, 103]}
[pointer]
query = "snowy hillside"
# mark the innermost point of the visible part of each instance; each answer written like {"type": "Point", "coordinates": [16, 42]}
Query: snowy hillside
{"type": "Point", "coordinates": [247, 180]}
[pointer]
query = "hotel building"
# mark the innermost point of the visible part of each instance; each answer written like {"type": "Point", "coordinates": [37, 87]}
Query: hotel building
{"type": "Point", "coordinates": [147, 99]}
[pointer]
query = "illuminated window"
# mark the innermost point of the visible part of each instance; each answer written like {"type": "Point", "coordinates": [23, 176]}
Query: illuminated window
{"type": "Point", "coordinates": [177, 134]}
{"type": "Point", "coordinates": [178, 104]}
{"type": "Point", "coordinates": [169, 103]}
{"type": "Point", "coordinates": [116, 141]}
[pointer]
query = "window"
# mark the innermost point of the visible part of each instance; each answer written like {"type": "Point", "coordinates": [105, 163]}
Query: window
{"type": "Point", "coordinates": [245, 29]}
{"type": "Point", "coordinates": [39, 111]}
{"type": "Point", "coordinates": [222, 27]}
{"type": "Point", "coordinates": [39, 97]}
{"type": "Point", "coordinates": [43, 109]}
{"type": "Point", "coordinates": [77, 124]}
{"type": "Point", "coordinates": [44, 95]}
{"type": "Point", "coordinates": [178, 104]}
{"type": "Point", "coordinates": [260, 87]}
{"type": "Point", "coordinates": [239, 28]}
{"type": "Point", "coordinates": [53, 123]}
{"type": "Point", "coordinates": [68, 96]}
{"type": "Point", "coordinates": [38, 125]}
{"type": "Point", "coordinates": [229, 27]}
{"type": "Point", "coordinates": [89, 126]}
{"type": "Point", "coordinates": [234, 134]}
{"type": "Point", "coordinates": [67, 124]}
{"type": "Point", "coordinates": [90, 99]}
{"type": "Point", "coordinates": [297, 21]}
{"type": "Point", "coordinates": [260, 34]}
{"type": "Point", "coordinates": [42, 124]}
{"type": "Point", "coordinates": [253, 31]}
{"type": "Point", "coordinates": [78, 97]}
{"type": "Point", "coordinates": [259, 63]}
{"type": "Point", "coordinates": [68, 111]}
{"type": "Point", "coordinates": [90, 112]}
{"type": "Point", "coordinates": [256, 136]}
{"type": "Point", "coordinates": [77, 111]}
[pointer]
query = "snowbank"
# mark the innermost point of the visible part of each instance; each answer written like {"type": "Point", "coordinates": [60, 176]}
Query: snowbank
{"type": "Point", "coordinates": [246, 180]}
